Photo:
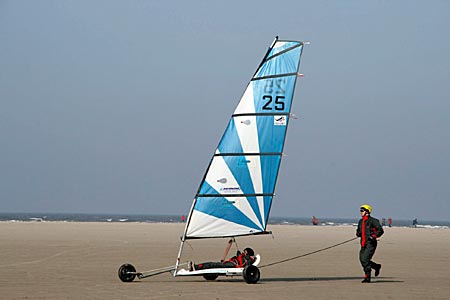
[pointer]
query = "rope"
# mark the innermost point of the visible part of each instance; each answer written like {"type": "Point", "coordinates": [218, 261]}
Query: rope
{"type": "Point", "coordinates": [303, 255]}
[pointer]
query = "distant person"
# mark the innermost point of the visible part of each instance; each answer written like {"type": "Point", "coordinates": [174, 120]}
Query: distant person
{"type": "Point", "coordinates": [315, 221]}
{"type": "Point", "coordinates": [383, 222]}
{"type": "Point", "coordinates": [369, 229]}
{"type": "Point", "coordinates": [415, 222]}
{"type": "Point", "coordinates": [390, 222]}
{"type": "Point", "coordinates": [183, 218]}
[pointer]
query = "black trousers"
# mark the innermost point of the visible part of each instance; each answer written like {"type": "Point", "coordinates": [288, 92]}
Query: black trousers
{"type": "Point", "coordinates": [365, 256]}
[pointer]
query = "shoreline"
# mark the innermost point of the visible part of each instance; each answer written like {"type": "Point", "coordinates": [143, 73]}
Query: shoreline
{"type": "Point", "coordinates": [420, 226]}
{"type": "Point", "coordinates": [145, 218]}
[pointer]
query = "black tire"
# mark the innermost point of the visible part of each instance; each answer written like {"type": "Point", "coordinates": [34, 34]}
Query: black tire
{"type": "Point", "coordinates": [210, 277]}
{"type": "Point", "coordinates": [124, 273]}
{"type": "Point", "coordinates": [251, 274]}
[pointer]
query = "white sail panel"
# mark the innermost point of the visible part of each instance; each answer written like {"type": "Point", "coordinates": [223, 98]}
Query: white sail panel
{"type": "Point", "coordinates": [203, 225]}
{"type": "Point", "coordinates": [262, 211]}
{"type": "Point", "coordinates": [247, 131]}
{"type": "Point", "coordinates": [247, 103]}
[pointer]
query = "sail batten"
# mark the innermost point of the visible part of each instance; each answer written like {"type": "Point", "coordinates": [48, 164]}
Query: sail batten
{"type": "Point", "coordinates": [236, 193]}
{"type": "Point", "coordinates": [260, 114]}
{"type": "Point", "coordinates": [247, 154]}
{"type": "Point", "coordinates": [274, 76]}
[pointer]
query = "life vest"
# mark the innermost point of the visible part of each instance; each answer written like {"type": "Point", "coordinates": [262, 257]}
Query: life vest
{"type": "Point", "coordinates": [241, 260]}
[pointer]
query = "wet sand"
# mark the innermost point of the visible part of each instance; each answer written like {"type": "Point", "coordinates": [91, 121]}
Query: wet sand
{"type": "Point", "coordinates": [57, 260]}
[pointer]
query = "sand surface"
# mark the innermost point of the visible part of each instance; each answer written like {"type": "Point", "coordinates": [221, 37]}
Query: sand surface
{"type": "Point", "coordinates": [57, 260]}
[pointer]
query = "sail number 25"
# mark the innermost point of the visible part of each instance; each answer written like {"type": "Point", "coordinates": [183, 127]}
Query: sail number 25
{"type": "Point", "coordinates": [276, 102]}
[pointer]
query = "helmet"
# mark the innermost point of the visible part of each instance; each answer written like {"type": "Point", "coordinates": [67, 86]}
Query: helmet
{"type": "Point", "coordinates": [367, 208]}
{"type": "Point", "coordinates": [250, 251]}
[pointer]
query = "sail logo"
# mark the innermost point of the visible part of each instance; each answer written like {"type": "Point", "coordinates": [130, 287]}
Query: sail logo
{"type": "Point", "coordinates": [230, 190]}
{"type": "Point", "coordinates": [243, 162]}
{"type": "Point", "coordinates": [279, 120]}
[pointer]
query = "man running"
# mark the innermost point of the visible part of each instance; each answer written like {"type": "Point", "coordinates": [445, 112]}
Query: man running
{"type": "Point", "coordinates": [369, 229]}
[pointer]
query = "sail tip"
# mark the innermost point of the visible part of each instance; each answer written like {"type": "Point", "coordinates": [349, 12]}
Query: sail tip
{"type": "Point", "coordinates": [274, 41]}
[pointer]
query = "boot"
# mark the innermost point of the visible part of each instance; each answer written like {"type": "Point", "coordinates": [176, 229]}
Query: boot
{"type": "Point", "coordinates": [366, 278]}
{"type": "Point", "coordinates": [191, 266]}
{"type": "Point", "coordinates": [377, 268]}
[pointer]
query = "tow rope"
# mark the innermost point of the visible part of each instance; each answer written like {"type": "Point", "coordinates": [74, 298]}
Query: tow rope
{"type": "Point", "coordinates": [306, 254]}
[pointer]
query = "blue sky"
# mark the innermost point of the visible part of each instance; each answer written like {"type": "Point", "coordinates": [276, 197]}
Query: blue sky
{"type": "Point", "coordinates": [117, 106]}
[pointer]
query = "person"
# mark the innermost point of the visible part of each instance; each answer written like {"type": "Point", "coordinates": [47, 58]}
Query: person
{"type": "Point", "coordinates": [246, 258]}
{"type": "Point", "coordinates": [314, 220]}
{"type": "Point", "coordinates": [415, 222]}
{"type": "Point", "coordinates": [383, 222]}
{"type": "Point", "coordinates": [390, 222]}
{"type": "Point", "coordinates": [369, 229]}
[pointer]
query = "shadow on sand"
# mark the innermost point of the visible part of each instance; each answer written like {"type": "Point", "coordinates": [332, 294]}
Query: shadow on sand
{"type": "Point", "coordinates": [297, 279]}
{"type": "Point", "coordinates": [283, 279]}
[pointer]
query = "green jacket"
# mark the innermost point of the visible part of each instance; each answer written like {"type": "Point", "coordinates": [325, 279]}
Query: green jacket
{"type": "Point", "coordinates": [369, 229]}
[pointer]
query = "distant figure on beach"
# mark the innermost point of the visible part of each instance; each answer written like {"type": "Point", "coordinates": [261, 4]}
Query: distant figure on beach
{"type": "Point", "coordinates": [369, 229]}
{"type": "Point", "coordinates": [183, 218]}
{"type": "Point", "coordinates": [390, 222]}
{"type": "Point", "coordinates": [315, 221]}
{"type": "Point", "coordinates": [415, 222]}
{"type": "Point", "coordinates": [383, 222]}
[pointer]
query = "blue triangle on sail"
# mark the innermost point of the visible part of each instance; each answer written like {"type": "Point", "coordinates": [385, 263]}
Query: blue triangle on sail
{"type": "Point", "coordinates": [238, 166]}
{"type": "Point", "coordinates": [230, 142]}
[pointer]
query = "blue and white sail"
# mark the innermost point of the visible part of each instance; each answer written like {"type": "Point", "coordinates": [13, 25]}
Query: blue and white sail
{"type": "Point", "coordinates": [235, 195]}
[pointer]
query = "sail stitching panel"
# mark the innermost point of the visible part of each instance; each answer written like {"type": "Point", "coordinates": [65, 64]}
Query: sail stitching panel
{"type": "Point", "coordinates": [206, 226]}
{"type": "Point", "coordinates": [223, 180]}
{"type": "Point", "coordinates": [220, 208]}
{"type": "Point", "coordinates": [239, 168]}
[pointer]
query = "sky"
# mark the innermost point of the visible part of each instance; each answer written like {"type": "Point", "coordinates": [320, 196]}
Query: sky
{"type": "Point", "coordinates": [117, 106]}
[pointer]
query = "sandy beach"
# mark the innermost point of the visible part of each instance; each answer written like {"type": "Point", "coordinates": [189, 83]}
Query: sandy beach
{"type": "Point", "coordinates": [70, 260]}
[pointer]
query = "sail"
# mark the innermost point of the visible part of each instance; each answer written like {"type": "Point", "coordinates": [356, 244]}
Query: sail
{"type": "Point", "coordinates": [235, 195]}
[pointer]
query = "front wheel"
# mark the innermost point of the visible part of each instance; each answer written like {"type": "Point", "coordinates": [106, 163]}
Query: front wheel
{"type": "Point", "coordinates": [251, 274]}
{"type": "Point", "coordinates": [210, 277]}
{"type": "Point", "coordinates": [127, 273]}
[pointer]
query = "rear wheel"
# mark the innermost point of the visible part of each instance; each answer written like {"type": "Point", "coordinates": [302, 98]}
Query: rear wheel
{"type": "Point", "coordinates": [210, 276]}
{"type": "Point", "coordinates": [251, 274]}
{"type": "Point", "coordinates": [127, 273]}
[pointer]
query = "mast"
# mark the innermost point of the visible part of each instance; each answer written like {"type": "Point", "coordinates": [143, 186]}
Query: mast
{"type": "Point", "coordinates": [183, 238]}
